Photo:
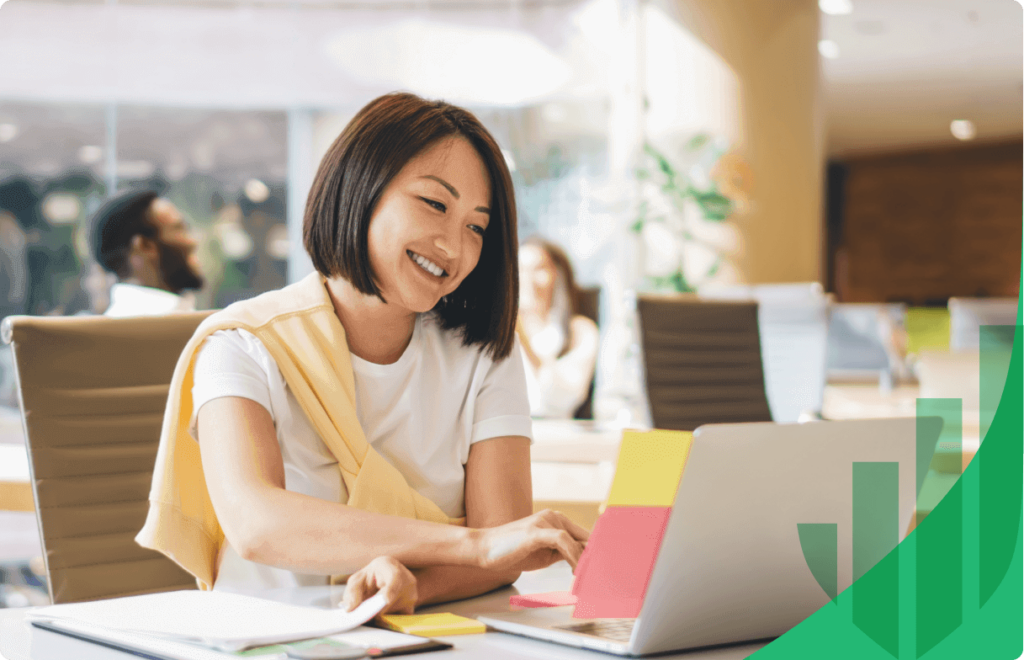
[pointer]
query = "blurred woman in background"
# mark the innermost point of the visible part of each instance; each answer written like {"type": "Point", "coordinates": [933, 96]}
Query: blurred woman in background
{"type": "Point", "coordinates": [559, 344]}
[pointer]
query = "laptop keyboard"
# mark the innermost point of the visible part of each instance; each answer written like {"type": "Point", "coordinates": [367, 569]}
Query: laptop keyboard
{"type": "Point", "coordinates": [619, 630]}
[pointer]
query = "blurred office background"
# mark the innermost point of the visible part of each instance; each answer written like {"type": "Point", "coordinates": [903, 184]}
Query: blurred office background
{"type": "Point", "coordinates": [869, 149]}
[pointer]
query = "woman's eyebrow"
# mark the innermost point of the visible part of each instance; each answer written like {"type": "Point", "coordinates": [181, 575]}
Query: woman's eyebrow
{"type": "Point", "coordinates": [450, 187]}
{"type": "Point", "coordinates": [453, 191]}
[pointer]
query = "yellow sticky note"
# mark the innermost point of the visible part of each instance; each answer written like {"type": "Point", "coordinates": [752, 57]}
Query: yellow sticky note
{"type": "Point", "coordinates": [649, 467]}
{"type": "Point", "coordinates": [432, 625]}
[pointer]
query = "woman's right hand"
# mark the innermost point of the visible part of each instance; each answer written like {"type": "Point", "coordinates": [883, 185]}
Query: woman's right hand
{"type": "Point", "coordinates": [532, 543]}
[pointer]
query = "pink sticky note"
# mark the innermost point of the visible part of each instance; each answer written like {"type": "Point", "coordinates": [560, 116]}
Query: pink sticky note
{"type": "Point", "coordinates": [612, 575]}
{"type": "Point", "coordinates": [549, 599]}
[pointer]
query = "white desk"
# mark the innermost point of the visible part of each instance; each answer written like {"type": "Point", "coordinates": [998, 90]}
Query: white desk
{"type": "Point", "coordinates": [20, 641]}
{"type": "Point", "coordinates": [15, 488]}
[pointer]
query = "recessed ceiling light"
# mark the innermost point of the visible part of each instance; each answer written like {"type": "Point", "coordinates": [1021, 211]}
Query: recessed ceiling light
{"type": "Point", "coordinates": [963, 129]}
{"type": "Point", "coordinates": [90, 154]}
{"type": "Point", "coordinates": [836, 7]}
{"type": "Point", "coordinates": [828, 49]}
{"type": "Point", "coordinates": [870, 28]}
{"type": "Point", "coordinates": [61, 208]}
{"type": "Point", "coordinates": [8, 131]}
{"type": "Point", "coordinates": [256, 191]}
{"type": "Point", "coordinates": [135, 169]}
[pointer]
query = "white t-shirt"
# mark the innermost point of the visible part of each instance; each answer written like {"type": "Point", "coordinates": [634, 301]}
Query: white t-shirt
{"type": "Point", "coordinates": [420, 413]}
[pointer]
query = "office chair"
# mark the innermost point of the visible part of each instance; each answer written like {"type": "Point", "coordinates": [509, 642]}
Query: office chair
{"type": "Point", "coordinates": [793, 326]}
{"type": "Point", "coordinates": [588, 303]}
{"type": "Point", "coordinates": [92, 393]}
{"type": "Point", "coordinates": [858, 346]}
{"type": "Point", "coordinates": [967, 315]}
{"type": "Point", "coordinates": [702, 361]}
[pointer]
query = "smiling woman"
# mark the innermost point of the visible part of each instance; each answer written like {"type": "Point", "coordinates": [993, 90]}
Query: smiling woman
{"type": "Point", "coordinates": [372, 417]}
{"type": "Point", "coordinates": [401, 159]}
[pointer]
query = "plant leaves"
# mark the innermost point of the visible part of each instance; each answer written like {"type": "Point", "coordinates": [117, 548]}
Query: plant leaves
{"type": "Point", "coordinates": [698, 141]}
{"type": "Point", "coordinates": [713, 204]}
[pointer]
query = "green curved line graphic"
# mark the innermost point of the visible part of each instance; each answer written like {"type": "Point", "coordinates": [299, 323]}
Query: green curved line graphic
{"type": "Point", "coordinates": [999, 457]}
{"type": "Point", "coordinates": [819, 542]}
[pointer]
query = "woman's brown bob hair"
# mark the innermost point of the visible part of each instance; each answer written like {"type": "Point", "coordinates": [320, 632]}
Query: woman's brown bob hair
{"type": "Point", "coordinates": [373, 148]}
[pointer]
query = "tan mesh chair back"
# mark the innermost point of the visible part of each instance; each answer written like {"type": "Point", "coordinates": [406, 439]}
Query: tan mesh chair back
{"type": "Point", "coordinates": [92, 393]}
{"type": "Point", "coordinates": [588, 303]}
{"type": "Point", "coordinates": [702, 361]}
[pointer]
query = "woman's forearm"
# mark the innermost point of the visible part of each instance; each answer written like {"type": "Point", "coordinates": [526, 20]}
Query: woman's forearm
{"type": "Point", "coordinates": [438, 584]}
{"type": "Point", "coordinates": [309, 535]}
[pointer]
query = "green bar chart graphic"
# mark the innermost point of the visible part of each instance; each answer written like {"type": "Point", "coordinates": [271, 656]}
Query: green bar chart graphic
{"type": "Point", "coordinates": [953, 588]}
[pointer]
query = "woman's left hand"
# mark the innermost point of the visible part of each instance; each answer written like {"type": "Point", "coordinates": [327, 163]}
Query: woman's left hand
{"type": "Point", "coordinates": [385, 575]}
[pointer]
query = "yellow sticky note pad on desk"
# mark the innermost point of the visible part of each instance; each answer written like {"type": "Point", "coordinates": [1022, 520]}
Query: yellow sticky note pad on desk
{"type": "Point", "coordinates": [432, 625]}
{"type": "Point", "coordinates": [649, 467]}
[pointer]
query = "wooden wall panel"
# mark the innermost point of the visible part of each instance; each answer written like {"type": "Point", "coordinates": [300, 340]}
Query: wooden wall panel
{"type": "Point", "coordinates": [921, 227]}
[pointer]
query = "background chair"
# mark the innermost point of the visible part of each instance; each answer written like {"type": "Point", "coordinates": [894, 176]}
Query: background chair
{"type": "Point", "coordinates": [793, 325]}
{"type": "Point", "coordinates": [859, 342]}
{"type": "Point", "coordinates": [588, 302]}
{"type": "Point", "coordinates": [967, 315]}
{"type": "Point", "coordinates": [92, 393]}
{"type": "Point", "coordinates": [702, 361]}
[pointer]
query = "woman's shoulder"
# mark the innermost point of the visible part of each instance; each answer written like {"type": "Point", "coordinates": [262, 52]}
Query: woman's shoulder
{"type": "Point", "coordinates": [232, 350]}
{"type": "Point", "coordinates": [306, 295]}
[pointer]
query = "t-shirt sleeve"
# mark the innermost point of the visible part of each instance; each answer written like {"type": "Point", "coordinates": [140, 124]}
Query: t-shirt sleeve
{"type": "Point", "coordinates": [230, 363]}
{"type": "Point", "coordinates": [502, 406]}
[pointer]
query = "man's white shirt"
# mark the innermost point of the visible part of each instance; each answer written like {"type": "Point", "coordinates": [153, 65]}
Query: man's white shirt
{"type": "Point", "coordinates": [135, 300]}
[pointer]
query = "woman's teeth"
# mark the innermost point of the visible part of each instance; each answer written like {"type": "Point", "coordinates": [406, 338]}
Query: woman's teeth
{"type": "Point", "coordinates": [427, 265]}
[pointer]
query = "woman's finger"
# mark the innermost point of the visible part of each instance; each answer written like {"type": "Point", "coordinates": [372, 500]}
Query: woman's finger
{"type": "Point", "coordinates": [568, 547]}
{"type": "Point", "coordinates": [562, 543]}
{"type": "Point", "coordinates": [355, 591]}
{"type": "Point", "coordinates": [395, 596]}
{"type": "Point", "coordinates": [578, 532]}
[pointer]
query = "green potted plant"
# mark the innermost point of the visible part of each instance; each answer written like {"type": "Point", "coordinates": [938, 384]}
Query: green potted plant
{"type": "Point", "coordinates": [682, 213]}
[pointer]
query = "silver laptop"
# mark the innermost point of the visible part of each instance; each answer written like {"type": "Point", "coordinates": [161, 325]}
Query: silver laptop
{"type": "Point", "coordinates": [730, 567]}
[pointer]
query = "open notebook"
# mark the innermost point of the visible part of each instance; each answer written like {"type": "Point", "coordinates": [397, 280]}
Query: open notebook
{"type": "Point", "coordinates": [215, 619]}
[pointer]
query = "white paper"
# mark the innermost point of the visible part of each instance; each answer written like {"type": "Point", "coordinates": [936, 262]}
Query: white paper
{"type": "Point", "coordinates": [154, 645]}
{"type": "Point", "coordinates": [219, 619]}
{"type": "Point", "coordinates": [377, 638]}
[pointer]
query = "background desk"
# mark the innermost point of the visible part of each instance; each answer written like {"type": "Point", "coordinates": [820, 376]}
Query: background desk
{"type": "Point", "coordinates": [15, 491]}
{"type": "Point", "coordinates": [20, 641]}
{"type": "Point", "coordinates": [573, 464]}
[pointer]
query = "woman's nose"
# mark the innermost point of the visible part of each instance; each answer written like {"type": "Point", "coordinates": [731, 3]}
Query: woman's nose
{"type": "Point", "coordinates": [449, 242]}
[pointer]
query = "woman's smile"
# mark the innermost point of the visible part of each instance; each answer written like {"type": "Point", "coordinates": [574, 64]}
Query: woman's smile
{"type": "Point", "coordinates": [427, 265]}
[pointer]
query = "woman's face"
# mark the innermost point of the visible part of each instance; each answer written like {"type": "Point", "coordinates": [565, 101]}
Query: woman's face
{"type": "Point", "coordinates": [427, 230]}
{"type": "Point", "coordinates": [537, 275]}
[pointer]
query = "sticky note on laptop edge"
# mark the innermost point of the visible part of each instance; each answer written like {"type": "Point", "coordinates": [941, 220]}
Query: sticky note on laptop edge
{"type": "Point", "coordinates": [547, 599]}
{"type": "Point", "coordinates": [431, 625]}
{"type": "Point", "coordinates": [618, 561]}
{"type": "Point", "coordinates": [615, 569]}
{"type": "Point", "coordinates": [649, 467]}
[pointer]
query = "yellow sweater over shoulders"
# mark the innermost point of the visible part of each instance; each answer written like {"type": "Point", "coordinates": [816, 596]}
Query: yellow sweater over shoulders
{"type": "Point", "coordinates": [301, 331]}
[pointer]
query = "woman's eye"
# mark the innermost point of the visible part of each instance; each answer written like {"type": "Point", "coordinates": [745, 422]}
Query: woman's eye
{"type": "Point", "coordinates": [437, 205]}
{"type": "Point", "coordinates": [478, 229]}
